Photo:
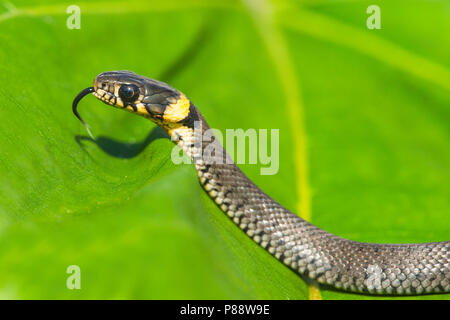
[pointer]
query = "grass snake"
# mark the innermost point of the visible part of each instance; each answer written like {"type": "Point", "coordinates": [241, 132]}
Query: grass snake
{"type": "Point", "coordinates": [306, 249]}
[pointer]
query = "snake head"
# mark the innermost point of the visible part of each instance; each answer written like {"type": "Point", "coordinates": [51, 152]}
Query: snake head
{"type": "Point", "coordinates": [153, 99]}
{"type": "Point", "coordinates": [150, 98]}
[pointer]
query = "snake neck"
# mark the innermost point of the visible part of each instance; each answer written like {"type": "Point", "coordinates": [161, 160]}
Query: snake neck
{"type": "Point", "coordinates": [218, 174]}
{"type": "Point", "coordinates": [196, 138]}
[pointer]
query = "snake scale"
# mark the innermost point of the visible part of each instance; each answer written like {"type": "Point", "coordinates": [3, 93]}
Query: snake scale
{"type": "Point", "coordinates": [306, 249]}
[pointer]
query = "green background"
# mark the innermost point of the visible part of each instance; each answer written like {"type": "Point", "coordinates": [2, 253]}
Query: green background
{"type": "Point", "coordinates": [376, 118]}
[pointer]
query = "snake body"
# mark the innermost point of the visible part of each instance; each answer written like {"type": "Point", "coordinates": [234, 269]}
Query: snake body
{"type": "Point", "coordinates": [306, 249]}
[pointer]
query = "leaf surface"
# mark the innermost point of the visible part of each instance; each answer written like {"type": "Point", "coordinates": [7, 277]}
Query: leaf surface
{"type": "Point", "coordinates": [139, 226]}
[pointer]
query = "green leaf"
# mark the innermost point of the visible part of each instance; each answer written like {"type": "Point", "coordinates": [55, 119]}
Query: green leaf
{"type": "Point", "coordinates": [141, 227]}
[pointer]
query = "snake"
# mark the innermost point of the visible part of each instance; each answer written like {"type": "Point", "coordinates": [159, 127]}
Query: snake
{"type": "Point", "coordinates": [312, 253]}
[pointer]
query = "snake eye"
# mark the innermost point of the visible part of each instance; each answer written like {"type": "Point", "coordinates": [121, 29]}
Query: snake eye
{"type": "Point", "coordinates": [128, 93]}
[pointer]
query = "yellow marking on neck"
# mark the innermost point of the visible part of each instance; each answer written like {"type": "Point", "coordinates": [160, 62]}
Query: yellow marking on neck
{"type": "Point", "coordinates": [170, 127]}
{"type": "Point", "coordinates": [177, 111]}
{"type": "Point", "coordinates": [180, 134]}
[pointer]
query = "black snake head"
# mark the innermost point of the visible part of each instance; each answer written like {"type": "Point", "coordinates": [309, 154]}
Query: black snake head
{"type": "Point", "coordinates": [141, 95]}
{"type": "Point", "coordinates": [150, 98]}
